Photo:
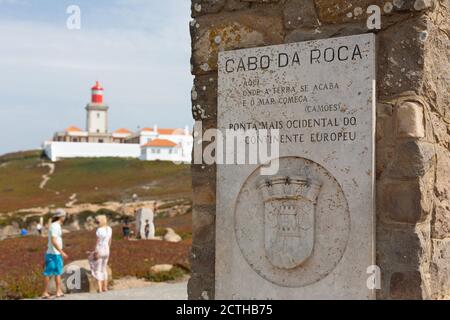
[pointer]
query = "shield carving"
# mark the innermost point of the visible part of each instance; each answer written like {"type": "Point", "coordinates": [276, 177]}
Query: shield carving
{"type": "Point", "coordinates": [289, 210]}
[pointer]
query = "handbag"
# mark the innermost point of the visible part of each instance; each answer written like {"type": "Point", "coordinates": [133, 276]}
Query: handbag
{"type": "Point", "coordinates": [93, 256]}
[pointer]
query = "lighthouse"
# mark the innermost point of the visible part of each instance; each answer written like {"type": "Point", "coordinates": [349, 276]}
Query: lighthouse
{"type": "Point", "coordinates": [97, 113]}
{"type": "Point", "coordinates": [97, 93]}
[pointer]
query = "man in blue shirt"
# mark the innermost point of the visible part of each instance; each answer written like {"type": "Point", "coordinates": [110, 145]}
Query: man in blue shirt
{"type": "Point", "coordinates": [54, 256]}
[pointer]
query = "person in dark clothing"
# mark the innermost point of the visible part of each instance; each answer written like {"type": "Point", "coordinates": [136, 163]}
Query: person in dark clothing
{"type": "Point", "coordinates": [126, 230]}
{"type": "Point", "coordinates": [147, 229]}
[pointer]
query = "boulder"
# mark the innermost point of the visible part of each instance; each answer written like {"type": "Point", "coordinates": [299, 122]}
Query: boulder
{"type": "Point", "coordinates": [77, 278]}
{"type": "Point", "coordinates": [171, 236]}
{"type": "Point", "coordinates": [8, 232]}
{"type": "Point", "coordinates": [90, 224]}
{"type": "Point", "coordinates": [161, 268]}
{"type": "Point", "coordinates": [75, 226]}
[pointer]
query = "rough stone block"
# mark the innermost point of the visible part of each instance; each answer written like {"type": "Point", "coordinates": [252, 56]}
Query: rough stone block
{"type": "Point", "coordinates": [420, 5]}
{"type": "Point", "coordinates": [384, 110]}
{"type": "Point", "coordinates": [400, 201]}
{"type": "Point", "coordinates": [410, 120]}
{"type": "Point", "coordinates": [201, 7]}
{"type": "Point", "coordinates": [203, 224]}
{"type": "Point", "coordinates": [261, 1]}
{"type": "Point", "coordinates": [440, 227]}
{"type": "Point", "coordinates": [204, 195]}
{"type": "Point", "coordinates": [233, 5]}
{"type": "Point", "coordinates": [326, 31]}
{"type": "Point", "coordinates": [412, 5]}
{"type": "Point", "coordinates": [204, 97]}
{"type": "Point", "coordinates": [300, 13]}
{"type": "Point", "coordinates": [202, 258]}
{"type": "Point", "coordinates": [401, 56]}
{"type": "Point", "coordinates": [201, 286]}
{"type": "Point", "coordinates": [440, 270]}
{"type": "Point", "coordinates": [385, 133]}
{"type": "Point", "coordinates": [437, 62]}
{"type": "Point", "coordinates": [384, 156]}
{"type": "Point", "coordinates": [413, 159]}
{"type": "Point", "coordinates": [342, 11]}
{"type": "Point", "coordinates": [201, 140]}
{"type": "Point", "coordinates": [241, 29]}
{"type": "Point", "coordinates": [442, 187]}
{"type": "Point", "coordinates": [203, 184]}
{"type": "Point", "coordinates": [390, 255]}
{"type": "Point", "coordinates": [406, 285]}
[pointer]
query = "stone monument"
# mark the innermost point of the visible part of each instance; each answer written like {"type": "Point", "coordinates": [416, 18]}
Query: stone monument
{"type": "Point", "coordinates": [145, 216]}
{"type": "Point", "coordinates": [410, 246]}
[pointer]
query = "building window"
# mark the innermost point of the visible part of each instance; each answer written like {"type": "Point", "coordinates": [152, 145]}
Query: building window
{"type": "Point", "coordinates": [100, 141]}
{"type": "Point", "coordinates": [98, 115]}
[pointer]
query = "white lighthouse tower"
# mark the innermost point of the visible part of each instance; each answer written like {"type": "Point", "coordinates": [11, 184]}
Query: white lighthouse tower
{"type": "Point", "coordinates": [97, 112]}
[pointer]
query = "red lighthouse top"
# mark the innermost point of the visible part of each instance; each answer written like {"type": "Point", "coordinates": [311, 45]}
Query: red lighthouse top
{"type": "Point", "coordinates": [97, 93]}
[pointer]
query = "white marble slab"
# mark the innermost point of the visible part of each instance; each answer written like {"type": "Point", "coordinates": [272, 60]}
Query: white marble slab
{"type": "Point", "coordinates": [306, 232]}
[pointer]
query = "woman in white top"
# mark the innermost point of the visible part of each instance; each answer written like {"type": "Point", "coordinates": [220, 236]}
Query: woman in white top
{"type": "Point", "coordinates": [99, 258]}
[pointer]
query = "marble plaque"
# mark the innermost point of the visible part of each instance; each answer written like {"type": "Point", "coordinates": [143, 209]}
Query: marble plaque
{"type": "Point", "coordinates": [307, 231]}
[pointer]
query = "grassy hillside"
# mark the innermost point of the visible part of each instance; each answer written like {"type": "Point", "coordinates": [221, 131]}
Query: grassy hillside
{"type": "Point", "coordinates": [93, 180]}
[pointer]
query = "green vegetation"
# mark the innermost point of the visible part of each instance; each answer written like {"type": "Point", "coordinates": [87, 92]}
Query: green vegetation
{"type": "Point", "coordinates": [83, 216]}
{"type": "Point", "coordinates": [171, 204]}
{"type": "Point", "coordinates": [22, 155]}
{"type": "Point", "coordinates": [93, 180]}
{"type": "Point", "coordinates": [174, 274]}
{"type": "Point", "coordinates": [22, 219]}
{"type": "Point", "coordinates": [16, 287]}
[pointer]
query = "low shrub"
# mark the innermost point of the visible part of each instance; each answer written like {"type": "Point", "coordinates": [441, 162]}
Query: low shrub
{"type": "Point", "coordinates": [174, 274]}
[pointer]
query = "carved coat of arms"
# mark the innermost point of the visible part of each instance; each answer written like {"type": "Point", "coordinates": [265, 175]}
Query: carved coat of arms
{"type": "Point", "coordinates": [289, 210]}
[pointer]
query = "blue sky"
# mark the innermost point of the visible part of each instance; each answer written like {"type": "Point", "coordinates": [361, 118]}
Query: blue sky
{"type": "Point", "coordinates": [138, 49]}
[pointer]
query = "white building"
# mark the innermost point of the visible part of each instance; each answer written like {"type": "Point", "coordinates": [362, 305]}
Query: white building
{"type": "Point", "coordinates": [149, 144]}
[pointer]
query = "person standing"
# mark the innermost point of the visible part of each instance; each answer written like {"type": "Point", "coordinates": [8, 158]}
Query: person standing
{"type": "Point", "coordinates": [39, 228]}
{"type": "Point", "coordinates": [126, 230]}
{"type": "Point", "coordinates": [54, 256]}
{"type": "Point", "coordinates": [147, 229]}
{"type": "Point", "coordinates": [99, 259]}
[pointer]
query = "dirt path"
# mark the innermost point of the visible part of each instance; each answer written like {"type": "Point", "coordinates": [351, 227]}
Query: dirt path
{"type": "Point", "coordinates": [46, 177]}
{"type": "Point", "coordinates": [154, 291]}
{"type": "Point", "coordinates": [72, 200]}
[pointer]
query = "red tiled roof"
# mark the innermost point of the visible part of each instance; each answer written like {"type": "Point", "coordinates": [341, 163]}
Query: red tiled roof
{"type": "Point", "coordinates": [168, 131]}
{"type": "Point", "coordinates": [73, 129]}
{"type": "Point", "coordinates": [161, 143]}
{"type": "Point", "coordinates": [165, 131]}
{"type": "Point", "coordinates": [123, 131]}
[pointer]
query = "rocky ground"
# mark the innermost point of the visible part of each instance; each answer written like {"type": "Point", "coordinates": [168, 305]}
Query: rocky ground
{"type": "Point", "coordinates": [81, 216]}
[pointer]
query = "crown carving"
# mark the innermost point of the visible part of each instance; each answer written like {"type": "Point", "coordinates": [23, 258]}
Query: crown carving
{"type": "Point", "coordinates": [289, 188]}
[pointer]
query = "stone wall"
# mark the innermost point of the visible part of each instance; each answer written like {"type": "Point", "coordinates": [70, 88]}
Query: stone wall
{"type": "Point", "coordinates": [413, 124]}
